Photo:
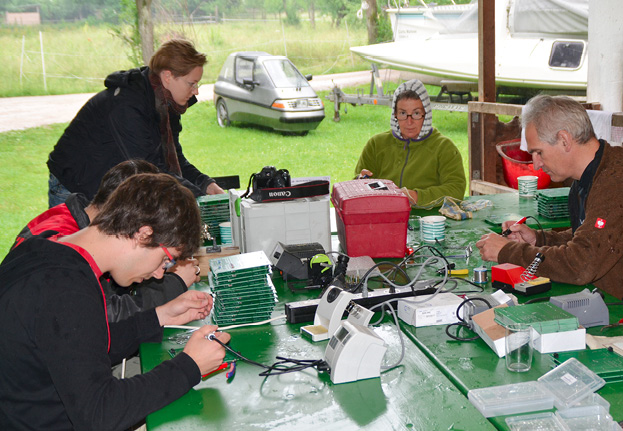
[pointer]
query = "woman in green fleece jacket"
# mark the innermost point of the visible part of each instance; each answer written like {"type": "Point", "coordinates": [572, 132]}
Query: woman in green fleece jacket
{"type": "Point", "coordinates": [414, 155]}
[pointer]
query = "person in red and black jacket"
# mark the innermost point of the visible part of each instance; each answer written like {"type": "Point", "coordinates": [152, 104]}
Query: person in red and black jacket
{"type": "Point", "coordinates": [76, 213]}
{"type": "Point", "coordinates": [57, 344]}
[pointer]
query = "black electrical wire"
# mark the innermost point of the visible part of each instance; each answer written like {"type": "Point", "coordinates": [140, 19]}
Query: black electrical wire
{"type": "Point", "coordinates": [462, 323]}
{"type": "Point", "coordinates": [399, 267]}
{"type": "Point", "coordinates": [533, 300]}
{"type": "Point", "coordinates": [456, 337]}
{"type": "Point", "coordinates": [540, 227]}
{"type": "Point", "coordinates": [433, 250]}
{"type": "Point", "coordinates": [279, 367]}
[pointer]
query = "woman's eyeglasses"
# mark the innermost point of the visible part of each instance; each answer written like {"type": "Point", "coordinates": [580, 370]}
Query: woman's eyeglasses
{"type": "Point", "coordinates": [415, 115]}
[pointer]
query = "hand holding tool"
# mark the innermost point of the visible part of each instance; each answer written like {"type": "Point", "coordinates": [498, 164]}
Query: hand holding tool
{"type": "Point", "coordinates": [508, 231]}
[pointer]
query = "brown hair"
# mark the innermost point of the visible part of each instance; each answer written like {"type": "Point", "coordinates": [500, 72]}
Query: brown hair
{"type": "Point", "coordinates": [118, 174]}
{"type": "Point", "coordinates": [178, 56]}
{"type": "Point", "coordinates": [408, 94]}
{"type": "Point", "coordinates": [158, 201]}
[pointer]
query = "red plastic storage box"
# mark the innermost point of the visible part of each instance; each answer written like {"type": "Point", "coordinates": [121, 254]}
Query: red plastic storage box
{"type": "Point", "coordinates": [372, 217]}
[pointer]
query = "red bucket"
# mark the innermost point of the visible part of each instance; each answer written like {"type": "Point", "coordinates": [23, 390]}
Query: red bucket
{"type": "Point", "coordinates": [516, 162]}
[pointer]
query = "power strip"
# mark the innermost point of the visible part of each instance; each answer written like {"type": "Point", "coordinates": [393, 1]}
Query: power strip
{"type": "Point", "coordinates": [304, 311]}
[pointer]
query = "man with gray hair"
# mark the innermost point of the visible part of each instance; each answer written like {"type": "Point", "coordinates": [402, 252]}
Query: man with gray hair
{"type": "Point", "coordinates": [562, 142]}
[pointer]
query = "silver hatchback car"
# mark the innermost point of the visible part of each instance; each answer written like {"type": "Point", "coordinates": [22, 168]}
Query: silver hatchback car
{"type": "Point", "coordinates": [267, 90]}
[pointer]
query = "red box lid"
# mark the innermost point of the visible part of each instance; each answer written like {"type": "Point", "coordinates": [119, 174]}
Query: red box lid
{"type": "Point", "coordinates": [369, 196]}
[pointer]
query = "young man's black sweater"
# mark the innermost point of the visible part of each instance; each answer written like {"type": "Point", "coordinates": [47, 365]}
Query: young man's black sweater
{"type": "Point", "coordinates": [56, 347]}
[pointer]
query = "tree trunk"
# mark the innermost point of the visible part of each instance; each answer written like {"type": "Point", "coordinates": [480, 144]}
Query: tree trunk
{"type": "Point", "coordinates": [312, 14]}
{"type": "Point", "coordinates": [372, 19]}
{"type": "Point", "coordinates": [145, 28]}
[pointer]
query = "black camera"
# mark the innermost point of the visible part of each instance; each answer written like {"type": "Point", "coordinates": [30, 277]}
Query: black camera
{"type": "Point", "coordinates": [271, 178]}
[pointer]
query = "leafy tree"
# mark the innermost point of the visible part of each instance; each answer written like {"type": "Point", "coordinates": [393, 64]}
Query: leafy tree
{"type": "Point", "coordinates": [127, 30]}
{"type": "Point", "coordinates": [338, 9]}
{"type": "Point", "coordinates": [385, 32]}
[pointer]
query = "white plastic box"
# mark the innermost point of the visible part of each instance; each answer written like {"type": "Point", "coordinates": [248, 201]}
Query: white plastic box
{"type": "Point", "coordinates": [511, 399]}
{"type": "Point", "coordinates": [570, 382]}
{"type": "Point", "coordinates": [559, 341]}
{"type": "Point", "coordinates": [298, 221]}
{"type": "Point", "coordinates": [422, 311]}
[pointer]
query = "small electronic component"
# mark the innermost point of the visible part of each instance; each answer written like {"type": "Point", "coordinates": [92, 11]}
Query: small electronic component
{"type": "Point", "coordinates": [294, 259]}
{"type": "Point", "coordinates": [480, 275]}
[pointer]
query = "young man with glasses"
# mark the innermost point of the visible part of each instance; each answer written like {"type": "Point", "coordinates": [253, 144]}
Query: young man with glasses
{"type": "Point", "coordinates": [77, 212]}
{"type": "Point", "coordinates": [57, 345]}
{"type": "Point", "coordinates": [414, 155]}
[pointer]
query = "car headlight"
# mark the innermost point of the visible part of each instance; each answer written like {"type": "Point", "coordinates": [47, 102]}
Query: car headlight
{"type": "Point", "coordinates": [297, 104]}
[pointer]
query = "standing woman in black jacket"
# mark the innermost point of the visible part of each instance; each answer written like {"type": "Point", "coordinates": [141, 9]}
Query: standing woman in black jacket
{"type": "Point", "coordinates": [137, 116]}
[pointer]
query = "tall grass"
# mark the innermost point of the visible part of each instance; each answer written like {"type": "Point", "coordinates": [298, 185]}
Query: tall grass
{"type": "Point", "coordinates": [78, 57]}
{"type": "Point", "coordinates": [332, 149]}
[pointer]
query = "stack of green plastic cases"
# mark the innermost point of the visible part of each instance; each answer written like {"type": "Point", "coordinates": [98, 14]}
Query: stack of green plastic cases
{"type": "Point", "coordinates": [243, 289]}
{"type": "Point", "coordinates": [553, 203]}
{"type": "Point", "coordinates": [214, 210]}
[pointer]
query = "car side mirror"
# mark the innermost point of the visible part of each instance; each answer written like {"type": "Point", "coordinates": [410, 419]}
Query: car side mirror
{"type": "Point", "coordinates": [309, 77]}
{"type": "Point", "coordinates": [250, 83]}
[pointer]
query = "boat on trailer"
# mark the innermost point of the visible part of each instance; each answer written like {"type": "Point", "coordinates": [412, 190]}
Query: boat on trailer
{"type": "Point", "coordinates": [540, 44]}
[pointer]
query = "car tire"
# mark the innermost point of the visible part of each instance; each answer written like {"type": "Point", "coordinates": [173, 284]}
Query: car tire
{"type": "Point", "coordinates": [222, 115]}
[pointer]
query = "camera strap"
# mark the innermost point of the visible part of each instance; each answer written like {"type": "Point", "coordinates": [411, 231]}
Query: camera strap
{"type": "Point", "coordinates": [303, 190]}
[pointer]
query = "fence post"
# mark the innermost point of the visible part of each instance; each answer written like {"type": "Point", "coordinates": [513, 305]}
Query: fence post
{"type": "Point", "coordinates": [21, 61]}
{"type": "Point", "coordinates": [283, 32]}
{"type": "Point", "coordinates": [45, 84]}
{"type": "Point", "coordinates": [352, 60]}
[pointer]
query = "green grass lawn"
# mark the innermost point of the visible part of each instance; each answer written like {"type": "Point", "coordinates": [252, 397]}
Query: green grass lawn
{"type": "Point", "coordinates": [332, 149]}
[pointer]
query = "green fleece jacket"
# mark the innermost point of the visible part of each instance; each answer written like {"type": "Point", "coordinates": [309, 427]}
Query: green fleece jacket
{"type": "Point", "coordinates": [594, 253]}
{"type": "Point", "coordinates": [433, 167]}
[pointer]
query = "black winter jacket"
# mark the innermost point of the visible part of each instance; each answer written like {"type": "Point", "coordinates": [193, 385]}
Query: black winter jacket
{"type": "Point", "coordinates": [56, 348]}
{"type": "Point", "coordinates": [117, 124]}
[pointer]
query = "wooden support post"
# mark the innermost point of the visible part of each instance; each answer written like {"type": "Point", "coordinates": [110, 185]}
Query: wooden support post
{"type": "Point", "coordinates": [486, 50]}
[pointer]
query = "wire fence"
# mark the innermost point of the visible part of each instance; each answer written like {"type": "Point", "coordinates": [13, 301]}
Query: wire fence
{"type": "Point", "coordinates": [44, 61]}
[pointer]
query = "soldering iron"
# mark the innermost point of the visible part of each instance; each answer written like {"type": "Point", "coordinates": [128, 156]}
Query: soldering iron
{"type": "Point", "coordinates": [508, 231]}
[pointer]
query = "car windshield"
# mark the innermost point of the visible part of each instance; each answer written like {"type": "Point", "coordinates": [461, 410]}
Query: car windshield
{"type": "Point", "coordinates": [284, 74]}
